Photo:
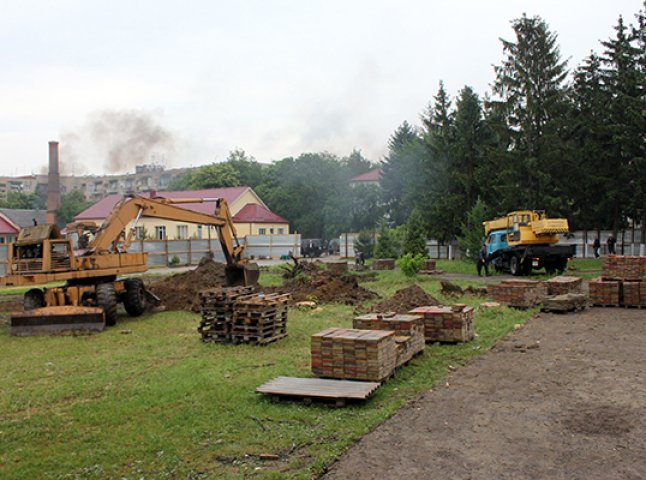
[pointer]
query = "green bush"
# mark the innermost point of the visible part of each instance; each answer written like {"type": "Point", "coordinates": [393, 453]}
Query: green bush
{"type": "Point", "coordinates": [387, 245]}
{"type": "Point", "coordinates": [411, 264]}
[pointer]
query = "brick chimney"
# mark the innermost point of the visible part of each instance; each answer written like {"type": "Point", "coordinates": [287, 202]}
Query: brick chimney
{"type": "Point", "coordinates": [53, 184]}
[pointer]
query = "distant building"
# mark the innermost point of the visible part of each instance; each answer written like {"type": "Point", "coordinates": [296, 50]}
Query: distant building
{"type": "Point", "coordinates": [13, 219]}
{"type": "Point", "coordinates": [250, 215]}
{"type": "Point", "coordinates": [95, 187]}
{"type": "Point", "coordinates": [373, 177]}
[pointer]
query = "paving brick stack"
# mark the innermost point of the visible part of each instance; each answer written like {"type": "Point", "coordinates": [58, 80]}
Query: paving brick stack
{"type": "Point", "coordinates": [409, 332]}
{"type": "Point", "coordinates": [604, 292]}
{"type": "Point", "coordinates": [353, 354]}
{"type": "Point", "coordinates": [216, 307]}
{"type": "Point", "coordinates": [617, 267]}
{"type": "Point", "coordinates": [259, 318]}
{"type": "Point", "coordinates": [428, 268]}
{"type": "Point", "coordinates": [446, 323]}
{"type": "Point", "coordinates": [563, 285]}
{"type": "Point", "coordinates": [632, 294]}
{"type": "Point", "coordinates": [384, 264]}
{"type": "Point", "coordinates": [518, 293]}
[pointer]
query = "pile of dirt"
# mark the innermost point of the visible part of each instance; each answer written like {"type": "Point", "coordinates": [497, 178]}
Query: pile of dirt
{"type": "Point", "coordinates": [405, 300]}
{"type": "Point", "coordinates": [325, 287]}
{"type": "Point", "coordinates": [180, 291]}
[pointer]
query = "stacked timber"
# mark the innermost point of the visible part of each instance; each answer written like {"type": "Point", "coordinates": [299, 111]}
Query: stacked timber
{"type": "Point", "coordinates": [605, 293]}
{"type": "Point", "coordinates": [519, 293]}
{"type": "Point", "coordinates": [563, 285]}
{"type": "Point", "coordinates": [384, 264]}
{"type": "Point", "coordinates": [409, 332]}
{"type": "Point", "coordinates": [259, 318]}
{"type": "Point", "coordinates": [216, 308]}
{"type": "Point", "coordinates": [446, 323]}
{"type": "Point", "coordinates": [354, 354]}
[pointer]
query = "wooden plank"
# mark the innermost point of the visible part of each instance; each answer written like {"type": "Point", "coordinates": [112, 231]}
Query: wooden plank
{"type": "Point", "coordinates": [319, 388]}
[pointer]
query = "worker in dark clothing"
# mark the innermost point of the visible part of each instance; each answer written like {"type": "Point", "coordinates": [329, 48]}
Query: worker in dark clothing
{"type": "Point", "coordinates": [596, 246]}
{"type": "Point", "coordinates": [483, 261]}
{"type": "Point", "coordinates": [611, 244]}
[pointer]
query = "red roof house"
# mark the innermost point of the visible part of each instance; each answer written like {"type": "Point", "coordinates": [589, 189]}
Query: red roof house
{"type": "Point", "coordinates": [369, 178]}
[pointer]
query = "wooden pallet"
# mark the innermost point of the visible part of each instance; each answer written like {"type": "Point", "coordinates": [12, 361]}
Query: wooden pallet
{"type": "Point", "coordinates": [309, 389]}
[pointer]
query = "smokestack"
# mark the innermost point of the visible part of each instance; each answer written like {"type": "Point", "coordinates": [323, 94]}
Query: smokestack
{"type": "Point", "coordinates": [53, 184]}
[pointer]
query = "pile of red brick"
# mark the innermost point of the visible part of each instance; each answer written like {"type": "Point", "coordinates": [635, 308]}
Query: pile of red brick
{"type": "Point", "coordinates": [446, 324]}
{"type": "Point", "coordinates": [622, 282]}
{"type": "Point", "coordinates": [409, 332]}
{"type": "Point", "coordinates": [518, 293]}
{"type": "Point", "coordinates": [563, 285]}
{"type": "Point", "coordinates": [353, 354]}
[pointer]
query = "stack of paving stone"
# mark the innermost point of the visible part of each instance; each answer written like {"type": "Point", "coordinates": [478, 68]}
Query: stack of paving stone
{"type": "Point", "coordinates": [519, 293]}
{"type": "Point", "coordinates": [605, 293]}
{"type": "Point", "coordinates": [446, 323]}
{"type": "Point", "coordinates": [259, 318]}
{"type": "Point", "coordinates": [384, 264]}
{"type": "Point", "coordinates": [567, 302]}
{"type": "Point", "coordinates": [627, 275]}
{"type": "Point", "coordinates": [354, 354]}
{"type": "Point", "coordinates": [216, 307]}
{"type": "Point", "coordinates": [409, 332]}
{"type": "Point", "coordinates": [563, 285]}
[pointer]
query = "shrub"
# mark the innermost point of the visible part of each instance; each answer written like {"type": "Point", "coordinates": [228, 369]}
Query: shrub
{"type": "Point", "coordinates": [411, 264]}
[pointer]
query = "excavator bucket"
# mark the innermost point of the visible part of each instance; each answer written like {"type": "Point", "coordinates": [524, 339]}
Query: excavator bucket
{"type": "Point", "coordinates": [57, 320]}
{"type": "Point", "coordinates": [246, 275]}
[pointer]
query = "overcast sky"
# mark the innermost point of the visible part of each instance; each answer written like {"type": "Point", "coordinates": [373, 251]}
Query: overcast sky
{"type": "Point", "coordinates": [273, 77]}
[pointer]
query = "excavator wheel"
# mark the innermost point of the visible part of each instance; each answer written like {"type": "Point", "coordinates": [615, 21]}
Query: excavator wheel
{"type": "Point", "coordinates": [106, 298]}
{"type": "Point", "coordinates": [134, 300]}
{"type": "Point", "coordinates": [34, 298]}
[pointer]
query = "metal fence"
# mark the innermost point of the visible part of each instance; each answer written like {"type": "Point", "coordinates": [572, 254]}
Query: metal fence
{"type": "Point", "coordinates": [434, 249]}
{"type": "Point", "coordinates": [163, 253]}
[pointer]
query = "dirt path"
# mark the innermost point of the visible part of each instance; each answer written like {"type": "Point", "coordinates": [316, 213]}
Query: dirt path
{"type": "Point", "coordinates": [572, 406]}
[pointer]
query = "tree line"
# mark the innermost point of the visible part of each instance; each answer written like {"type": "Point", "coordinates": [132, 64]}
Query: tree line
{"type": "Point", "coordinates": [568, 141]}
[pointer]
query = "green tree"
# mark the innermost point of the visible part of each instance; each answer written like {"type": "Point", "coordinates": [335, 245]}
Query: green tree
{"type": "Point", "coordinates": [72, 203]}
{"type": "Point", "coordinates": [472, 230]}
{"type": "Point", "coordinates": [365, 243]}
{"type": "Point", "coordinates": [250, 172]}
{"type": "Point", "coordinates": [415, 236]}
{"type": "Point", "coordinates": [530, 100]}
{"type": "Point", "coordinates": [386, 245]}
{"type": "Point", "coordinates": [356, 163]}
{"type": "Point", "coordinates": [20, 200]}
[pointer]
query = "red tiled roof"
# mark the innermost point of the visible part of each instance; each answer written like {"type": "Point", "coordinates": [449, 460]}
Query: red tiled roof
{"type": "Point", "coordinates": [6, 226]}
{"type": "Point", "coordinates": [254, 213]}
{"type": "Point", "coordinates": [102, 208]}
{"type": "Point", "coordinates": [371, 176]}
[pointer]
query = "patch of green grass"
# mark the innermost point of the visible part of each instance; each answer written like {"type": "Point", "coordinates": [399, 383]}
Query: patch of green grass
{"type": "Point", "coordinates": [158, 403]}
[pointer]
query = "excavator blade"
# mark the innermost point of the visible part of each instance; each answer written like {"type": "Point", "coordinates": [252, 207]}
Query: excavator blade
{"type": "Point", "coordinates": [246, 275]}
{"type": "Point", "coordinates": [57, 320]}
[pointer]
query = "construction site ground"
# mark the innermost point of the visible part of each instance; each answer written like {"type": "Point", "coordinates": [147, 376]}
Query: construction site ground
{"type": "Point", "coordinates": [563, 397]}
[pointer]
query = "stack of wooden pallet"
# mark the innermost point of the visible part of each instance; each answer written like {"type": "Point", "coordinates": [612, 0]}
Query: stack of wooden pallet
{"type": "Point", "coordinates": [563, 285]}
{"type": "Point", "coordinates": [605, 293]}
{"type": "Point", "coordinates": [216, 307]}
{"type": "Point", "coordinates": [259, 319]}
{"type": "Point", "coordinates": [354, 354]}
{"type": "Point", "coordinates": [518, 293]}
{"type": "Point", "coordinates": [446, 323]}
{"type": "Point", "coordinates": [409, 332]}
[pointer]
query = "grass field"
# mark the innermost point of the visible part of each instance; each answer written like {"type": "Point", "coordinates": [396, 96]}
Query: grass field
{"type": "Point", "coordinates": [146, 399]}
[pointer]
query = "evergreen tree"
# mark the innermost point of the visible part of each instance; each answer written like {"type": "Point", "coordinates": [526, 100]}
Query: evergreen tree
{"type": "Point", "coordinates": [415, 236]}
{"type": "Point", "coordinates": [386, 246]}
{"type": "Point", "coordinates": [472, 230]}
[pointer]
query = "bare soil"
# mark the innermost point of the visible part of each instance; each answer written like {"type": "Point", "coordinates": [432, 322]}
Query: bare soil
{"type": "Point", "coordinates": [563, 397]}
{"type": "Point", "coordinates": [404, 300]}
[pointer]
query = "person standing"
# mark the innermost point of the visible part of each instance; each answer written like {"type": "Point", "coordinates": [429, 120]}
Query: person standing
{"type": "Point", "coordinates": [611, 244]}
{"type": "Point", "coordinates": [482, 261]}
{"type": "Point", "coordinates": [596, 246]}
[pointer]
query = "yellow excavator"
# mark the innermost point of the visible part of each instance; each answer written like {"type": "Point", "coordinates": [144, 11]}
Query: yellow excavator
{"type": "Point", "coordinates": [89, 259]}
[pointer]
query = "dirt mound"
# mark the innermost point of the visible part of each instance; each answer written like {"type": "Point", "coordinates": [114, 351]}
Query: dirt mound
{"type": "Point", "coordinates": [180, 291]}
{"type": "Point", "coordinates": [325, 287]}
{"type": "Point", "coordinates": [404, 300]}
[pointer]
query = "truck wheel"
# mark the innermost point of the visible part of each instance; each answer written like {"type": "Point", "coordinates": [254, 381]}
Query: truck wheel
{"type": "Point", "coordinates": [134, 300]}
{"type": "Point", "coordinates": [34, 298]}
{"type": "Point", "coordinates": [514, 265]}
{"type": "Point", "coordinates": [106, 298]}
{"type": "Point", "coordinates": [561, 266]}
